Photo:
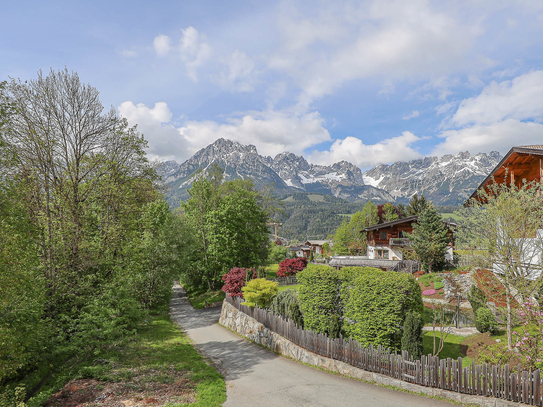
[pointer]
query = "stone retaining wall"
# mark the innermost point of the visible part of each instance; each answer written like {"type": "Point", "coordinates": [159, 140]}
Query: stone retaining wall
{"type": "Point", "coordinates": [241, 323]}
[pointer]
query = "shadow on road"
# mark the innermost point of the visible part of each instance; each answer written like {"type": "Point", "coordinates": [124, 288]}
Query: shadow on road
{"type": "Point", "coordinates": [234, 356]}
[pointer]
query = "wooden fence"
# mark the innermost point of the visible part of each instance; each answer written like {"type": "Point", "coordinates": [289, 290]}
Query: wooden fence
{"type": "Point", "coordinates": [431, 371]}
{"type": "Point", "coordinates": [289, 280]}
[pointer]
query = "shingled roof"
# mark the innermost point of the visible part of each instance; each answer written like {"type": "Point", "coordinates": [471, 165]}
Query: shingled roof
{"type": "Point", "coordinates": [354, 261]}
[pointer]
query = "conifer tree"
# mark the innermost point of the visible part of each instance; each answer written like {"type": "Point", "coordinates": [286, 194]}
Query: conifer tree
{"type": "Point", "coordinates": [412, 335]}
{"type": "Point", "coordinates": [430, 238]}
{"type": "Point", "coordinates": [417, 205]}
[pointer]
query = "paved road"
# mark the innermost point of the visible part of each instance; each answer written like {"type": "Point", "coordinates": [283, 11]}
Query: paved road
{"type": "Point", "coordinates": [257, 377]}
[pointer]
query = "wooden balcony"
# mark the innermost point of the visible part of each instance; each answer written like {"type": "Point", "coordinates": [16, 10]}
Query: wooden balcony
{"type": "Point", "coordinates": [399, 241]}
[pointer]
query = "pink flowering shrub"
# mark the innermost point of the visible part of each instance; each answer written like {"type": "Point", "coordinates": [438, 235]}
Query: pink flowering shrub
{"type": "Point", "coordinates": [429, 292]}
{"type": "Point", "coordinates": [530, 342]}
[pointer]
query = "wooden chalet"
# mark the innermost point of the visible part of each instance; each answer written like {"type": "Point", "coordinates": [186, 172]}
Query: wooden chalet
{"type": "Point", "coordinates": [389, 240]}
{"type": "Point", "coordinates": [523, 163]}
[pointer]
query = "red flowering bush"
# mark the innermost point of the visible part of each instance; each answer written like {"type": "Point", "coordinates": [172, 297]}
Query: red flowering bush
{"type": "Point", "coordinates": [235, 279]}
{"type": "Point", "coordinates": [290, 267]}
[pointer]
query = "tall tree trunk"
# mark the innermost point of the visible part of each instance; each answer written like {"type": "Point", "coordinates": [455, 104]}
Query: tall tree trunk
{"type": "Point", "coordinates": [509, 322]}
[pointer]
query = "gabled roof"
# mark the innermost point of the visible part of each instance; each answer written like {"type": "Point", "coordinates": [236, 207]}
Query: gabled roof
{"type": "Point", "coordinates": [410, 219]}
{"type": "Point", "coordinates": [531, 150]}
{"type": "Point", "coordinates": [317, 242]}
{"type": "Point", "coordinates": [360, 262]}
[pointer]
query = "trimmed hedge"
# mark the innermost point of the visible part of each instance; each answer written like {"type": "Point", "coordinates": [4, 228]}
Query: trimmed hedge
{"type": "Point", "coordinates": [259, 292]}
{"type": "Point", "coordinates": [375, 306]}
{"type": "Point", "coordinates": [412, 334]}
{"type": "Point", "coordinates": [319, 296]}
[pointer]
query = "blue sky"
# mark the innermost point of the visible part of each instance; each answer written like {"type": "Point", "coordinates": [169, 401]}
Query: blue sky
{"type": "Point", "coordinates": [368, 82]}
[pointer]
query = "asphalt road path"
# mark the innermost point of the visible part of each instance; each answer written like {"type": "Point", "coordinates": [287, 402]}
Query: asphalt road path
{"type": "Point", "coordinates": [257, 377]}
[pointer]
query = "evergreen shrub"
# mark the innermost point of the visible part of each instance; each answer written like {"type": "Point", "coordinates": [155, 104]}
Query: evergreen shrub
{"type": "Point", "coordinates": [412, 334]}
{"type": "Point", "coordinates": [286, 304]}
{"type": "Point", "coordinates": [375, 306]}
{"type": "Point", "coordinates": [485, 321]}
{"type": "Point", "coordinates": [476, 298]}
{"type": "Point", "coordinates": [259, 292]}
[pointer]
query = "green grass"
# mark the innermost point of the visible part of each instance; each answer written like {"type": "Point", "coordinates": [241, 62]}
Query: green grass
{"type": "Point", "coordinates": [198, 299]}
{"type": "Point", "coordinates": [453, 347]}
{"type": "Point", "coordinates": [271, 271]}
{"type": "Point", "coordinates": [158, 352]}
{"type": "Point", "coordinates": [288, 287]}
{"type": "Point", "coordinates": [426, 279]}
{"type": "Point", "coordinates": [315, 198]}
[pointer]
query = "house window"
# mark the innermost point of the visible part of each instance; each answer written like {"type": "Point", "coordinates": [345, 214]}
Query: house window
{"type": "Point", "coordinates": [382, 254]}
{"type": "Point", "coordinates": [401, 234]}
{"type": "Point", "coordinates": [383, 236]}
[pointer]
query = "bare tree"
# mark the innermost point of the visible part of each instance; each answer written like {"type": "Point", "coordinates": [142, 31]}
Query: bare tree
{"type": "Point", "coordinates": [502, 228]}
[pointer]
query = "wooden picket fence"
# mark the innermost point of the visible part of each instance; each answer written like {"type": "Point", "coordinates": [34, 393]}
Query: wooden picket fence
{"type": "Point", "coordinates": [430, 371]}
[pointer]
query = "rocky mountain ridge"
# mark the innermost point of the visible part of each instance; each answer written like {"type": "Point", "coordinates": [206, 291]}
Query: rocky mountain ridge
{"type": "Point", "coordinates": [444, 180]}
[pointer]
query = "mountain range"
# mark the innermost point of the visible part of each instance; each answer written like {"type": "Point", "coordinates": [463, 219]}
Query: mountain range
{"type": "Point", "coordinates": [445, 180]}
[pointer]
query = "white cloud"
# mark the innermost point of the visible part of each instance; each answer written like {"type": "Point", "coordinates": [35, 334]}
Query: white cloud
{"type": "Point", "coordinates": [272, 132]}
{"type": "Point", "coordinates": [500, 136]}
{"type": "Point", "coordinates": [238, 74]}
{"type": "Point", "coordinates": [355, 151]}
{"type": "Point", "coordinates": [194, 50]}
{"type": "Point", "coordinates": [162, 45]}
{"type": "Point", "coordinates": [520, 98]}
{"type": "Point", "coordinates": [164, 139]}
{"type": "Point", "coordinates": [393, 40]}
{"type": "Point", "coordinates": [414, 114]}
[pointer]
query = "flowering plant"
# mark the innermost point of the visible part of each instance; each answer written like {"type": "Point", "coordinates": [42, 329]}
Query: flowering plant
{"type": "Point", "coordinates": [429, 292]}
{"type": "Point", "coordinates": [530, 342]}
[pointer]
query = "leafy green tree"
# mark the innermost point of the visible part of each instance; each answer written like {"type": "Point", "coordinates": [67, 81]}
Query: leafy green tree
{"type": "Point", "coordinates": [348, 238]}
{"type": "Point", "coordinates": [402, 210]}
{"type": "Point", "coordinates": [231, 227]}
{"type": "Point", "coordinates": [430, 238]}
{"type": "Point", "coordinates": [417, 205]}
{"type": "Point", "coordinates": [278, 253]}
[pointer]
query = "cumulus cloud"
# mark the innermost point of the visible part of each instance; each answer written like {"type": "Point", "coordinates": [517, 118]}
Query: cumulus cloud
{"type": "Point", "coordinates": [162, 45]}
{"type": "Point", "coordinates": [194, 51]}
{"type": "Point", "coordinates": [520, 98]}
{"type": "Point", "coordinates": [500, 136]}
{"type": "Point", "coordinates": [272, 132]}
{"type": "Point", "coordinates": [503, 115]}
{"type": "Point", "coordinates": [128, 53]}
{"type": "Point", "coordinates": [414, 114]}
{"type": "Point", "coordinates": [164, 139]}
{"type": "Point", "coordinates": [355, 151]}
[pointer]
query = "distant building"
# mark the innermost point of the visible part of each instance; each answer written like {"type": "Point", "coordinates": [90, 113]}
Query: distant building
{"type": "Point", "coordinates": [389, 241]}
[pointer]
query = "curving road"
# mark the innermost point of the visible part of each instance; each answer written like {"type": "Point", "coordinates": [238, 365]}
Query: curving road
{"type": "Point", "coordinates": [257, 377]}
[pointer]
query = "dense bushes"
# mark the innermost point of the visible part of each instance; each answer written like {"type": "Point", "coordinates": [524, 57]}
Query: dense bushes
{"type": "Point", "coordinates": [476, 298]}
{"type": "Point", "coordinates": [259, 292]}
{"type": "Point", "coordinates": [376, 304]}
{"type": "Point", "coordinates": [485, 321]}
{"type": "Point", "coordinates": [286, 305]}
{"type": "Point", "coordinates": [235, 280]}
{"type": "Point", "coordinates": [319, 296]}
{"type": "Point", "coordinates": [290, 267]}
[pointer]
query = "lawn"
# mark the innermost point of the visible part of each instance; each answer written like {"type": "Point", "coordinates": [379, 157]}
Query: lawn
{"type": "Point", "coordinates": [271, 271]}
{"type": "Point", "coordinates": [198, 299]}
{"type": "Point", "coordinates": [159, 363]}
{"type": "Point", "coordinates": [453, 347]}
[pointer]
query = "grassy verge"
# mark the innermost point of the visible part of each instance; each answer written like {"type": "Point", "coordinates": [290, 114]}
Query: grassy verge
{"type": "Point", "coordinates": [160, 357]}
{"type": "Point", "coordinates": [198, 299]}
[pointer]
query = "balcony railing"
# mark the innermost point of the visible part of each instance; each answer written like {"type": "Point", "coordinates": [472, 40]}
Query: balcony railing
{"type": "Point", "coordinates": [399, 241]}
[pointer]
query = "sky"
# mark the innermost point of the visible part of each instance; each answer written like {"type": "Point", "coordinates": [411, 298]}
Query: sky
{"type": "Point", "coordinates": [364, 81]}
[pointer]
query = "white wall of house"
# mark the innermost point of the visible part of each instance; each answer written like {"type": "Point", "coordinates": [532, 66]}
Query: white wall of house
{"type": "Point", "coordinates": [531, 260]}
{"type": "Point", "coordinates": [393, 252]}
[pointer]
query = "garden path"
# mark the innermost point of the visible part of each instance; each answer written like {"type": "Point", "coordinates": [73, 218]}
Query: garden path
{"type": "Point", "coordinates": [257, 377]}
